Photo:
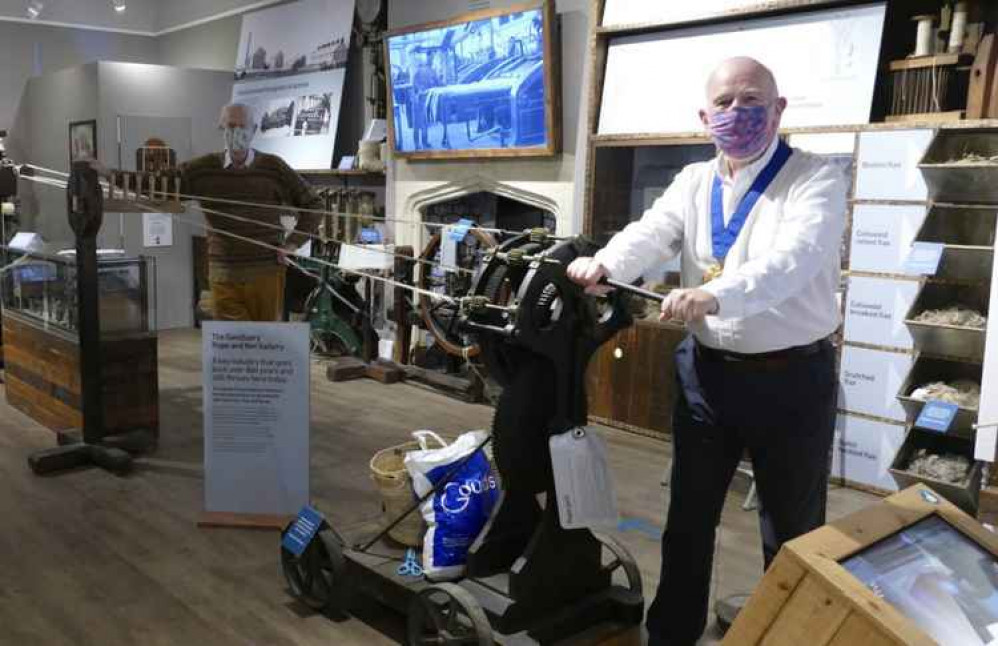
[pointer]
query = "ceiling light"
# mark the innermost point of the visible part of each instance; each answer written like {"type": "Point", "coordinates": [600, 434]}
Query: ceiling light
{"type": "Point", "coordinates": [35, 9]}
{"type": "Point", "coordinates": [119, 5]}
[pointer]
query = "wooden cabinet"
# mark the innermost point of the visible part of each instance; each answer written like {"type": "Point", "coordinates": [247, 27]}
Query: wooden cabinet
{"type": "Point", "coordinates": [631, 381]}
{"type": "Point", "coordinates": [43, 376]}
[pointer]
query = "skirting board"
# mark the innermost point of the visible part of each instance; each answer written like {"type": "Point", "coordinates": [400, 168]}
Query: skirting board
{"type": "Point", "coordinates": [243, 521]}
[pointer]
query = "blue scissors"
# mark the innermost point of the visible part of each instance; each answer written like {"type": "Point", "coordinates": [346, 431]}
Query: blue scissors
{"type": "Point", "coordinates": [411, 566]}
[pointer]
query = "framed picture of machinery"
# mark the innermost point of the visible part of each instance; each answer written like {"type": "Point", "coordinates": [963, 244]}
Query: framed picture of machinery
{"type": "Point", "coordinates": [483, 84]}
{"type": "Point", "coordinates": [82, 140]}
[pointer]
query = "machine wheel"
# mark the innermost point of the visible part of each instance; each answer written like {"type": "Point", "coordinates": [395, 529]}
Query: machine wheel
{"type": "Point", "coordinates": [440, 318]}
{"type": "Point", "coordinates": [317, 578]}
{"type": "Point", "coordinates": [446, 614]}
{"type": "Point", "coordinates": [621, 559]}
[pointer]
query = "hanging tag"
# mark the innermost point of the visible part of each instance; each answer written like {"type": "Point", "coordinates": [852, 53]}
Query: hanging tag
{"type": "Point", "coordinates": [460, 230]}
{"type": "Point", "coordinates": [924, 258]}
{"type": "Point", "coordinates": [937, 416]}
{"type": "Point", "coordinates": [582, 480]}
{"type": "Point", "coordinates": [448, 249]}
{"type": "Point", "coordinates": [302, 531]}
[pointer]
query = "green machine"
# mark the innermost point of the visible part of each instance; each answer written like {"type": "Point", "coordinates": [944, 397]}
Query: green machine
{"type": "Point", "coordinates": [336, 313]}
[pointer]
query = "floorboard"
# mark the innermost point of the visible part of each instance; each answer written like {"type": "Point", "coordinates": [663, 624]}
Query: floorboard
{"type": "Point", "coordinates": [90, 558]}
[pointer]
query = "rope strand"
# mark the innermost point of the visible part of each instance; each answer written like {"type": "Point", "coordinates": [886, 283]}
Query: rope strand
{"type": "Point", "coordinates": [284, 207]}
{"type": "Point", "coordinates": [363, 274]}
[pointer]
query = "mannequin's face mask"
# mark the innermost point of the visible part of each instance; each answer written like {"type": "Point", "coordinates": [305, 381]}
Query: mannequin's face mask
{"type": "Point", "coordinates": [237, 139]}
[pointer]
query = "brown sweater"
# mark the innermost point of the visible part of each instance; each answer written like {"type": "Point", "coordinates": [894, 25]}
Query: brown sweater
{"type": "Point", "coordinates": [268, 181]}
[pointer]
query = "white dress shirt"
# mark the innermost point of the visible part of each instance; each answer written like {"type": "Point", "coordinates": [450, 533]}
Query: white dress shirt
{"type": "Point", "coordinates": [781, 275]}
{"type": "Point", "coordinates": [250, 156]}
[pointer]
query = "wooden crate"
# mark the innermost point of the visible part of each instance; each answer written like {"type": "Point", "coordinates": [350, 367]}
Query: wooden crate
{"type": "Point", "coordinates": [43, 377]}
{"type": "Point", "coordinates": [806, 597]}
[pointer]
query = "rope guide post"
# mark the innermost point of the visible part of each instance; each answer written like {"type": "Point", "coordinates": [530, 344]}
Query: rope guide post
{"type": "Point", "coordinates": [93, 446]}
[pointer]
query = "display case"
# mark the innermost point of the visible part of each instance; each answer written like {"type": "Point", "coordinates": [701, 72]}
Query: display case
{"type": "Point", "coordinates": [41, 340]}
{"type": "Point", "coordinates": [41, 286]}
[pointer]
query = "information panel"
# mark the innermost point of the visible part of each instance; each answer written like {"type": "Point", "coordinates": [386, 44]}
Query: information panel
{"type": "Point", "coordinates": [864, 449]}
{"type": "Point", "coordinates": [256, 417]}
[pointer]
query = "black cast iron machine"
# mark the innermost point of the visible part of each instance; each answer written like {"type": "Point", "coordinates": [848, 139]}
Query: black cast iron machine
{"type": "Point", "coordinates": [528, 580]}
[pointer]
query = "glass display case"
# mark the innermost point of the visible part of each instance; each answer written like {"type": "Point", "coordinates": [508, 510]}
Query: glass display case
{"type": "Point", "coordinates": [41, 286]}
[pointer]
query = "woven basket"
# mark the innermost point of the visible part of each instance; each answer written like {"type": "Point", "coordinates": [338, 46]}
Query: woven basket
{"type": "Point", "coordinates": [395, 486]}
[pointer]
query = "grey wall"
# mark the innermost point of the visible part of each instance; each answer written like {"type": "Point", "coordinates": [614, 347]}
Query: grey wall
{"type": "Point", "coordinates": [28, 50]}
{"type": "Point", "coordinates": [138, 90]}
{"type": "Point", "coordinates": [50, 103]}
{"type": "Point", "coordinates": [212, 45]}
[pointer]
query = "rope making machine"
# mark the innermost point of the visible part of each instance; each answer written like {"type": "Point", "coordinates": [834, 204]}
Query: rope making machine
{"type": "Point", "coordinates": [528, 580]}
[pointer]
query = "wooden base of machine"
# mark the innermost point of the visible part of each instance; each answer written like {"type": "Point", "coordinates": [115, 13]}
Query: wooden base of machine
{"type": "Point", "coordinates": [349, 368]}
{"type": "Point", "coordinates": [469, 390]}
{"type": "Point", "coordinates": [42, 374]}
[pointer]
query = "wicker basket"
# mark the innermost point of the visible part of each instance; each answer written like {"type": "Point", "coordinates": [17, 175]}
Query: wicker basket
{"type": "Point", "coordinates": [395, 485]}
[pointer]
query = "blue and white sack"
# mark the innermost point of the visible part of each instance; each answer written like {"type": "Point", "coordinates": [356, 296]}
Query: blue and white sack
{"type": "Point", "coordinates": [456, 514]}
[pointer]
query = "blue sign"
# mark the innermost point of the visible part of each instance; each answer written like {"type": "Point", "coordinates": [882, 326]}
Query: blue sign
{"type": "Point", "coordinates": [460, 230]}
{"type": "Point", "coordinates": [478, 84]}
{"type": "Point", "coordinates": [302, 531]}
{"type": "Point", "coordinates": [937, 416]}
{"type": "Point", "coordinates": [370, 236]}
{"type": "Point", "coordinates": [924, 258]}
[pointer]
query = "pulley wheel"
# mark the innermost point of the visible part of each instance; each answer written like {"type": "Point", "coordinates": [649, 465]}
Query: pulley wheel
{"type": "Point", "coordinates": [439, 317]}
{"type": "Point", "coordinates": [446, 614]}
{"type": "Point", "coordinates": [317, 578]}
{"type": "Point", "coordinates": [620, 561]}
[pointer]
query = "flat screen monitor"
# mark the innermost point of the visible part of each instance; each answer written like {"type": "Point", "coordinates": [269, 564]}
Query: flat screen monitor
{"type": "Point", "coordinates": [479, 85]}
{"type": "Point", "coordinates": [936, 576]}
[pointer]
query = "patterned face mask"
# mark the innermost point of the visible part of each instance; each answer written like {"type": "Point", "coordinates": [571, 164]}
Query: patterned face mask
{"type": "Point", "coordinates": [237, 140]}
{"type": "Point", "coordinates": [741, 133]}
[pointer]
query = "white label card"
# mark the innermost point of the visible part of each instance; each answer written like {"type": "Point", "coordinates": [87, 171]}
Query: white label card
{"type": "Point", "coordinates": [875, 311]}
{"type": "Point", "coordinates": [882, 236]}
{"type": "Point", "coordinates": [157, 230]}
{"type": "Point", "coordinates": [864, 450]}
{"type": "Point", "coordinates": [869, 381]}
{"type": "Point", "coordinates": [887, 166]}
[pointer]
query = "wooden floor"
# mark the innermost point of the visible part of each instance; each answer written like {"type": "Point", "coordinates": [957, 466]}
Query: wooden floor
{"type": "Point", "coordinates": [88, 558]}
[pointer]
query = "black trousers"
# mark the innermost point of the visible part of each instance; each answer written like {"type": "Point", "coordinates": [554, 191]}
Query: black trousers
{"type": "Point", "coordinates": [783, 413]}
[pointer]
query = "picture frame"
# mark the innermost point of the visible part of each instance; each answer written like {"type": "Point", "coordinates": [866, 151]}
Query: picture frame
{"type": "Point", "coordinates": [484, 84]}
{"type": "Point", "coordinates": [82, 140]}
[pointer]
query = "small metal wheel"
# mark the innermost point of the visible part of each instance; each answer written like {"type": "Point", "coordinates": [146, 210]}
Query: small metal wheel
{"type": "Point", "coordinates": [446, 614]}
{"type": "Point", "coordinates": [317, 577]}
{"type": "Point", "coordinates": [621, 559]}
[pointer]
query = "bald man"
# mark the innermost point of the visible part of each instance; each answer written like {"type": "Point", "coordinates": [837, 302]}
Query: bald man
{"type": "Point", "coordinates": [759, 230]}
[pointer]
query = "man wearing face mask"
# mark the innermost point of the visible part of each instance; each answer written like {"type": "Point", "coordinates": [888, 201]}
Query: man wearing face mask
{"type": "Point", "coordinates": [247, 280]}
{"type": "Point", "coordinates": [759, 229]}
